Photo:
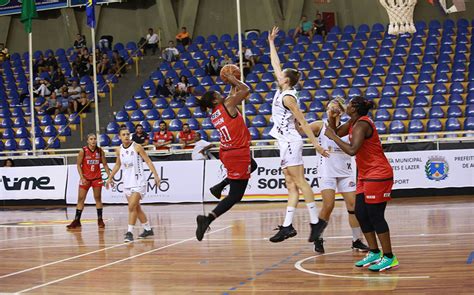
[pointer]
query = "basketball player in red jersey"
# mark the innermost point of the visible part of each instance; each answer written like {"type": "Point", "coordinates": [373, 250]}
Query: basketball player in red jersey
{"type": "Point", "coordinates": [374, 181]}
{"type": "Point", "coordinates": [88, 166]}
{"type": "Point", "coordinates": [234, 149]}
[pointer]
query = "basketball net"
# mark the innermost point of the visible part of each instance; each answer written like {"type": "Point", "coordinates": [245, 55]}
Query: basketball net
{"type": "Point", "coordinates": [400, 13]}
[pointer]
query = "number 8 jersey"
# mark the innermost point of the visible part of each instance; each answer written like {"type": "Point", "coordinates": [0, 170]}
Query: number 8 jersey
{"type": "Point", "coordinates": [234, 134]}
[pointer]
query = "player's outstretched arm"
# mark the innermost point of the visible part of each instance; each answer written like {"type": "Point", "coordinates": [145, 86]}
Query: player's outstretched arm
{"type": "Point", "coordinates": [275, 60]}
{"type": "Point", "coordinates": [241, 92]}
{"type": "Point", "coordinates": [290, 102]}
{"type": "Point", "coordinates": [116, 169]}
{"type": "Point", "coordinates": [141, 151]}
{"type": "Point", "coordinates": [357, 139]}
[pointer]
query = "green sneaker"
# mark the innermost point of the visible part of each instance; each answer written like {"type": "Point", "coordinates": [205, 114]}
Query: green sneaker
{"type": "Point", "coordinates": [385, 264]}
{"type": "Point", "coordinates": [369, 259]}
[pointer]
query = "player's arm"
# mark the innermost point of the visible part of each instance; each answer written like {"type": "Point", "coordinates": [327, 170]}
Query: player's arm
{"type": "Point", "coordinates": [275, 60]}
{"type": "Point", "coordinates": [141, 151]}
{"type": "Point", "coordinates": [315, 128]}
{"type": "Point", "coordinates": [116, 169]}
{"type": "Point", "coordinates": [80, 158]}
{"type": "Point", "coordinates": [359, 132]}
{"type": "Point", "coordinates": [290, 103]}
{"type": "Point", "coordinates": [241, 92]}
{"type": "Point", "coordinates": [206, 148]}
{"type": "Point", "coordinates": [104, 162]}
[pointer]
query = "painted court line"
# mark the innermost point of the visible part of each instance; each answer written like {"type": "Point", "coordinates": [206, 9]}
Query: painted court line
{"type": "Point", "coordinates": [118, 261]}
{"type": "Point", "coordinates": [298, 266]}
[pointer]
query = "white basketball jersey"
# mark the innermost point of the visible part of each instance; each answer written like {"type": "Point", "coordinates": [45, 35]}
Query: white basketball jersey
{"type": "Point", "coordinates": [284, 127]}
{"type": "Point", "coordinates": [133, 173]}
{"type": "Point", "coordinates": [339, 164]}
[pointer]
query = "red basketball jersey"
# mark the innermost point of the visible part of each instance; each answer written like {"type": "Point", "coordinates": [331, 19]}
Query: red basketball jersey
{"type": "Point", "coordinates": [370, 159]}
{"type": "Point", "coordinates": [91, 163]}
{"type": "Point", "coordinates": [234, 134]}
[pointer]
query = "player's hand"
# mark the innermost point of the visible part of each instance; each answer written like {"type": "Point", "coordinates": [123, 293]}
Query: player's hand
{"type": "Point", "coordinates": [333, 113]}
{"type": "Point", "coordinates": [82, 181]}
{"type": "Point", "coordinates": [231, 79]}
{"type": "Point", "coordinates": [330, 133]}
{"type": "Point", "coordinates": [322, 151]}
{"type": "Point", "coordinates": [273, 34]}
{"type": "Point", "coordinates": [109, 183]}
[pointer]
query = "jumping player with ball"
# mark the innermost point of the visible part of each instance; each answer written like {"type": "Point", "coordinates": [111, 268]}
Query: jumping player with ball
{"type": "Point", "coordinates": [235, 143]}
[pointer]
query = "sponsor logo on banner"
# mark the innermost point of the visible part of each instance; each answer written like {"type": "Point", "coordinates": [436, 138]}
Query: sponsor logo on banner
{"type": "Point", "coordinates": [436, 168]}
{"type": "Point", "coordinates": [27, 183]}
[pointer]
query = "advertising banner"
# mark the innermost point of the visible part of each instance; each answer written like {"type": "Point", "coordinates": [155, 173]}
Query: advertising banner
{"type": "Point", "coordinates": [181, 181]}
{"type": "Point", "coordinates": [35, 182]}
{"type": "Point", "coordinates": [14, 6]}
{"type": "Point", "coordinates": [73, 3]}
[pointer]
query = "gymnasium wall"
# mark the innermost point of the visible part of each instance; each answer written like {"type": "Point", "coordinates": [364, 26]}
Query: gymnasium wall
{"type": "Point", "coordinates": [129, 21]}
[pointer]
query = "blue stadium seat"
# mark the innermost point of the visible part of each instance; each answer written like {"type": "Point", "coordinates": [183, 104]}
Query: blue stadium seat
{"type": "Point", "coordinates": [372, 92]}
{"type": "Point", "coordinates": [381, 128]}
{"type": "Point", "coordinates": [19, 122]}
{"type": "Point", "coordinates": [140, 94]}
{"type": "Point", "coordinates": [311, 85]}
{"type": "Point", "coordinates": [137, 115]}
{"type": "Point", "coordinates": [184, 113]}
{"type": "Point", "coordinates": [161, 103]}
{"type": "Point", "coordinates": [121, 116]}
{"type": "Point", "coordinates": [64, 130]}
{"type": "Point", "coordinates": [454, 111]}
{"type": "Point", "coordinates": [385, 103]}
{"type": "Point", "coordinates": [265, 109]}
{"type": "Point", "coordinates": [442, 78]}
{"type": "Point", "coordinates": [215, 136]}
{"type": "Point", "coordinates": [259, 121]}
{"type": "Point", "coordinates": [54, 143]}
{"type": "Point", "coordinates": [378, 71]}
{"type": "Point", "coordinates": [50, 131]}
{"type": "Point", "coordinates": [453, 124]}
{"type": "Point", "coordinates": [456, 87]}
{"type": "Point", "coordinates": [391, 80]}
{"type": "Point", "coordinates": [193, 124]}
{"type": "Point", "coordinates": [403, 102]}
{"type": "Point", "coordinates": [425, 78]}
{"type": "Point", "coordinates": [152, 115]}
{"type": "Point", "coordinates": [362, 72]}
{"type": "Point", "coordinates": [408, 79]}
{"type": "Point", "coordinates": [22, 132]}
{"type": "Point", "coordinates": [254, 133]}
{"type": "Point", "coordinates": [146, 104]}
{"type": "Point", "coordinates": [175, 125]}
{"type": "Point", "coordinates": [436, 112]}
{"type": "Point", "coordinates": [316, 106]}
{"type": "Point", "coordinates": [382, 115]}
{"type": "Point", "coordinates": [455, 99]}
{"type": "Point", "coordinates": [469, 124]}
{"type": "Point", "coordinates": [207, 124]}
{"type": "Point", "coordinates": [268, 77]}
{"type": "Point", "coordinates": [359, 82]}
{"type": "Point", "coordinates": [112, 128]}
{"type": "Point", "coordinates": [440, 88]}
{"type": "Point", "coordinates": [418, 113]}
{"type": "Point", "coordinates": [104, 140]}
{"type": "Point", "coordinates": [416, 126]}
{"type": "Point", "coordinates": [346, 73]}
{"type": "Point", "coordinates": [250, 110]}
{"type": "Point", "coordinates": [261, 87]}
{"type": "Point", "coordinates": [40, 143]}
{"type": "Point", "coordinates": [10, 145]}
{"type": "Point", "coordinates": [115, 141]}
{"type": "Point", "coordinates": [168, 114]}
{"type": "Point", "coordinates": [60, 119]}
{"type": "Point", "coordinates": [397, 127]}
{"type": "Point", "coordinates": [400, 114]}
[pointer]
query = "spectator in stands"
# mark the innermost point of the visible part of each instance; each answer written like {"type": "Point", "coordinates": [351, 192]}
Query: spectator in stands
{"type": "Point", "coordinates": [105, 43]}
{"type": "Point", "coordinates": [74, 90]}
{"type": "Point", "coordinates": [43, 87]}
{"type": "Point", "coordinates": [167, 90]}
{"type": "Point", "coordinates": [226, 61]}
{"type": "Point", "coordinates": [4, 55]}
{"type": "Point", "coordinates": [82, 103]}
{"type": "Point", "coordinates": [212, 67]}
{"type": "Point", "coordinates": [183, 37]}
{"type": "Point", "coordinates": [40, 65]}
{"type": "Point", "coordinates": [118, 64]}
{"type": "Point", "coordinates": [80, 42]}
{"type": "Point", "coordinates": [8, 163]}
{"type": "Point", "coordinates": [170, 53]}
{"type": "Point", "coordinates": [65, 104]}
{"type": "Point", "coordinates": [58, 80]}
{"type": "Point", "coordinates": [163, 138]}
{"type": "Point", "coordinates": [319, 25]}
{"type": "Point", "coordinates": [51, 62]}
{"type": "Point", "coordinates": [187, 137]}
{"type": "Point", "coordinates": [140, 135]}
{"type": "Point", "coordinates": [152, 42]}
{"type": "Point", "coordinates": [248, 56]}
{"type": "Point", "coordinates": [201, 148]}
{"type": "Point", "coordinates": [104, 66]}
{"type": "Point", "coordinates": [52, 104]}
{"type": "Point", "coordinates": [182, 88]}
{"type": "Point", "coordinates": [305, 27]}
{"type": "Point", "coordinates": [85, 67]}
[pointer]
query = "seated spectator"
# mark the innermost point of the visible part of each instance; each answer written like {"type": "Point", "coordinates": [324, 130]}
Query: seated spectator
{"type": "Point", "coordinates": [163, 139]}
{"type": "Point", "coordinates": [80, 42]}
{"type": "Point", "coordinates": [187, 137]}
{"type": "Point", "coordinates": [81, 104]}
{"type": "Point", "coordinates": [105, 43]}
{"type": "Point", "coordinates": [58, 80]}
{"type": "Point", "coordinates": [4, 55]}
{"type": "Point", "coordinates": [74, 90]}
{"type": "Point", "coordinates": [43, 87]}
{"type": "Point", "coordinates": [226, 61]}
{"type": "Point", "coordinates": [167, 89]}
{"type": "Point", "coordinates": [319, 25]}
{"type": "Point", "coordinates": [248, 56]}
{"type": "Point", "coordinates": [140, 135]}
{"type": "Point", "coordinates": [305, 27]}
{"type": "Point", "coordinates": [170, 53]}
{"type": "Point", "coordinates": [201, 149]}
{"type": "Point", "coordinates": [118, 64]}
{"type": "Point", "coordinates": [212, 67]}
{"type": "Point", "coordinates": [152, 42]}
{"type": "Point", "coordinates": [51, 105]}
{"type": "Point", "coordinates": [182, 88]}
{"type": "Point", "coordinates": [65, 104]}
{"type": "Point", "coordinates": [40, 65]}
{"type": "Point", "coordinates": [183, 37]}
{"type": "Point", "coordinates": [104, 67]}
{"type": "Point", "coordinates": [85, 67]}
{"type": "Point", "coordinates": [51, 62]}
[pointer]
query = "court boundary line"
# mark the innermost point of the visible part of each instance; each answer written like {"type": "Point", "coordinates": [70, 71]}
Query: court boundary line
{"type": "Point", "coordinates": [118, 261]}
{"type": "Point", "coordinates": [298, 266]}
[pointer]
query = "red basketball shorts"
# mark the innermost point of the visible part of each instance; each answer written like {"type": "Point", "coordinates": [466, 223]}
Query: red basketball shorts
{"type": "Point", "coordinates": [237, 163]}
{"type": "Point", "coordinates": [375, 190]}
{"type": "Point", "coordinates": [91, 183]}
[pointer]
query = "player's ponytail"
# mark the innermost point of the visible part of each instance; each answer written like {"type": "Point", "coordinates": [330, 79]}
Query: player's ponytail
{"type": "Point", "coordinates": [206, 100]}
{"type": "Point", "coordinates": [362, 105]}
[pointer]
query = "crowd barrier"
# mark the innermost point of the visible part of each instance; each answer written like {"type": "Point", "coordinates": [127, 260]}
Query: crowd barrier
{"type": "Point", "coordinates": [188, 181]}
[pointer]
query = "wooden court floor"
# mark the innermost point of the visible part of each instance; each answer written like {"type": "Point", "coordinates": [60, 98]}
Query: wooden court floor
{"type": "Point", "coordinates": [432, 237]}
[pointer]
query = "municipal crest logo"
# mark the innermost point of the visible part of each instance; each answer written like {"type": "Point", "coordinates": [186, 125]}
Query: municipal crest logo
{"type": "Point", "coordinates": [436, 168]}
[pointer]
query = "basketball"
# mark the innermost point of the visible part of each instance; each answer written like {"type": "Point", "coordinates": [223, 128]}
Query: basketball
{"type": "Point", "coordinates": [230, 69]}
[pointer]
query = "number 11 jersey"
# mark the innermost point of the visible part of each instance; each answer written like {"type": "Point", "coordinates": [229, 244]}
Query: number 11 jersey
{"type": "Point", "coordinates": [234, 134]}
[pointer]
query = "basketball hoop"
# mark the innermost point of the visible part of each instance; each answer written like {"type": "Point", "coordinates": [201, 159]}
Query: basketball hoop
{"type": "Point", "coordinates": [400, 13]}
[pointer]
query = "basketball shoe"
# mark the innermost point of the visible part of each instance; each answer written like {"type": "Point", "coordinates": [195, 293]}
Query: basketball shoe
{"type": "Point", "coordinates": [369, 259]}
{"type": "Point", "coordinates": [385, 264]}
{"type": "Point", "coordinates": [284, 232]}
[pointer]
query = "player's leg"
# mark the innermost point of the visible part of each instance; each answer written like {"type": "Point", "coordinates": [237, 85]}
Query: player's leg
{"type": "Point", "coordinates": [236, 192]}
{"type": "Point", "coordinates": [97, 190]}
{"type": "Point", "coordinates": [286, 230]}
{"type": "Point", "coordinates": [81, 199]}
{"type": "Point", "coordinates": [328, 194]}
{"type": "Point", "coordinates": [133, 202]}
{"type": "Point", "coordinates": [374, 255]}
{"type": "Point", "coordinates": [147, 230]}
{"type": "Point", "coordinates": [217, 189]}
